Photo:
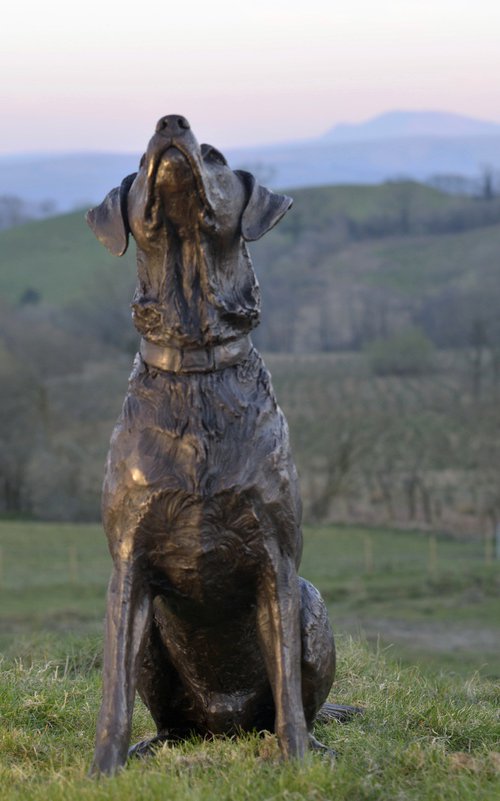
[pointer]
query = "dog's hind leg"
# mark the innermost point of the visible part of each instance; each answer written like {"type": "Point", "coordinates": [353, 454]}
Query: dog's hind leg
{"type": "Point", "coordinates": [278, 619]}
{"type": "Point", "coordinates": [127, 621]}
{"type": "Point", "coordinates": [318, 658]}
{"type": "Point", "coordinates": [318, 664]}
{"type": "Point", "coordinates": [318, 650]}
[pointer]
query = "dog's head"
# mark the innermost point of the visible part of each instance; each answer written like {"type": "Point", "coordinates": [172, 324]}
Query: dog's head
{"type": "Point", "coordinates": [185, 185]}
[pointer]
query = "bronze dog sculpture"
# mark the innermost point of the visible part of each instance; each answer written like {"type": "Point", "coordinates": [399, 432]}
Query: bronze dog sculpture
{"type": "Point", "coordinates": [207, 618]}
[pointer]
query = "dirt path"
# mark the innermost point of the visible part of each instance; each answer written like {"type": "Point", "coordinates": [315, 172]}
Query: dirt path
{"type": "Point", "coordinates": [435, 637]}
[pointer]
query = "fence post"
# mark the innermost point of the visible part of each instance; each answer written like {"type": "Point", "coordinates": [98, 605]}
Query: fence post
{"type": "Point", "coordinates": [368, 553]}
{"type": "Point", "coordinates": [72, 564]}
{"type": "Point", "coordinates": [488, 545]}
{"type": "Point", "coordinates": [432, 560]}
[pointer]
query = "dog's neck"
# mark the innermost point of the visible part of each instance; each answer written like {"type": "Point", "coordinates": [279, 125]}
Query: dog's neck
{"type": "Point", "coordinates": [194, 291]}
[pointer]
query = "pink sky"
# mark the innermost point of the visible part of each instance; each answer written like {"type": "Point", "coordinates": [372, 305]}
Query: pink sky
{"type": "Point", "coordinates": [97, 76]}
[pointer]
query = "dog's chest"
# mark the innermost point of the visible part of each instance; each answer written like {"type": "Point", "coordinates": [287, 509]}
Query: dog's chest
{"type": "Point", "coordinates": [209, 552]}
{"type": "Point", "coordinates": [199, 436]}
{"type": "Point", "coordinates": [199, 476]}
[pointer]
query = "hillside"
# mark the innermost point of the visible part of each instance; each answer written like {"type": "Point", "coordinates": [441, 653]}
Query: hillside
{"type": "Point", "coordinates": [60, 259]}
{"type": "Point", "coordinates": [349, 263]}
{"type": "Point", "coordinates": [380, 325]}
{"type": "Point", "coordinates": [369, 289]}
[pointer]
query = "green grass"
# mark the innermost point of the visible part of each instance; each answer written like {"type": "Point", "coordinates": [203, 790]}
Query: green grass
{"type": "Point", "coordinates": [433, 601]}
{"type": "Point", "coordinates": [59, 258]}
{"type": "Point", "coordinates": [421, 737]}
{"type": "Point", "coordinates": [426, 734]}
{"type": "Point", "coordinates": [53, 580]}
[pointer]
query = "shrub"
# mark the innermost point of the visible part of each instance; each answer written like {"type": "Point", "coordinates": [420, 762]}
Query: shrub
{"type": "Point", "coordinates": [408, 352]}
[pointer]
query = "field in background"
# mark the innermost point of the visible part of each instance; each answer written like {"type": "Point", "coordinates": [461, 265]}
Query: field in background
{"type": "Point", "coordinates": [431, 600]}
{"type": "Point", "coordinates": [401, 450]}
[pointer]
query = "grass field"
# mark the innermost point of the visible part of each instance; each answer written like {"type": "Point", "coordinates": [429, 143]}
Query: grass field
{"type": "Point", "coordinates": [426, 733]}
{"type": "Point", "coordinates": [433, 600]}
{"type": "Point", "coordinates": [421, 737]}
{"type": "Point", "coordinates": [58, 257]}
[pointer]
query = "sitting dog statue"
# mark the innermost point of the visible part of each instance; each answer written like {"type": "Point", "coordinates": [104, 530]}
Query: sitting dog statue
{"type": "Point", "coordinates": [207, 618]}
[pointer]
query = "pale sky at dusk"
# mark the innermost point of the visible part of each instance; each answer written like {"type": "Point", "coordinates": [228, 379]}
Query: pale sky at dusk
{"type": "Point", "coordinates": [98, 75]}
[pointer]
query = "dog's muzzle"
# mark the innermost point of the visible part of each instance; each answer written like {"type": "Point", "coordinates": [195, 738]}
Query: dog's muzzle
{"type": "Point", "coordinates": [195, 360]}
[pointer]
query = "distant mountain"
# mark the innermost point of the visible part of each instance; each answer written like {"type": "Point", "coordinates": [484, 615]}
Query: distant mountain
{"type": "Point", "coordinates": [416, 145]}
{"type": "Point", "coordinates": [398, 124]}
{"type": "Point", "coordinates": [71, 180]}
{"type": "Point", "coordinates": [322, 161]}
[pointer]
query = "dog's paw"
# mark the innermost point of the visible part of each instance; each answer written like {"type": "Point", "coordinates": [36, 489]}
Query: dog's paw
{"type": "Point", "coordinates": [146, 748]}
{"type": "Point", "coordinates": [321, 749]}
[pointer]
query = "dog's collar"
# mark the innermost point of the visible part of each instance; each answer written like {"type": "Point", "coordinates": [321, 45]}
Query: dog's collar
{"type": "Point", "coordinates": [195, 360]}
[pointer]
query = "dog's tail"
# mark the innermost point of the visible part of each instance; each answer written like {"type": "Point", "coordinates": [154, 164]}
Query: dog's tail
{"type": "Point", "coordinates": [340, 712]}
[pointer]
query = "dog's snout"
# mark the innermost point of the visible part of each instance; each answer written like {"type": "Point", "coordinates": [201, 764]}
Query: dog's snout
{"type": "Point", "coordinates": [172, 125]}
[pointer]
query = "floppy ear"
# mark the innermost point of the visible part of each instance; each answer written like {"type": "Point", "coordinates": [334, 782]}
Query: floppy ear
{"type": "Point", "coordinates": [264, 208]}
{"type": "Point", "coordinates": [109, 221]}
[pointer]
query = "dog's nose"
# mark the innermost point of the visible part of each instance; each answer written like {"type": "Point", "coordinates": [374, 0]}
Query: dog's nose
{"type": "Point", "coordinates": [172, 125]}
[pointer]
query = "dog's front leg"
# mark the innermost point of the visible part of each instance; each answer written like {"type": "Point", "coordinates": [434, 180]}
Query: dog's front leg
{"type": "Point", "coordinates": [127, 620]}
{"type": "Point", "coordinates": [279, 634]}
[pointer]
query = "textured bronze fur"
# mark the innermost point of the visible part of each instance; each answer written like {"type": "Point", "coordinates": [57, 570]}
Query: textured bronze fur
{"type": "Point", "coordinates": [206, 617]}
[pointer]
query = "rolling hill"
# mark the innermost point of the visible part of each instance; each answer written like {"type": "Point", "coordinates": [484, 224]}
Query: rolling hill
{"type": "Point", "coordinates": [347, 269]}
{"type": "Point", "coordinates": [344, 256]}
{"type": "Point", "coordinates": [58, 258]}
{"type": "Point", "coordinates": [62, 262]}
